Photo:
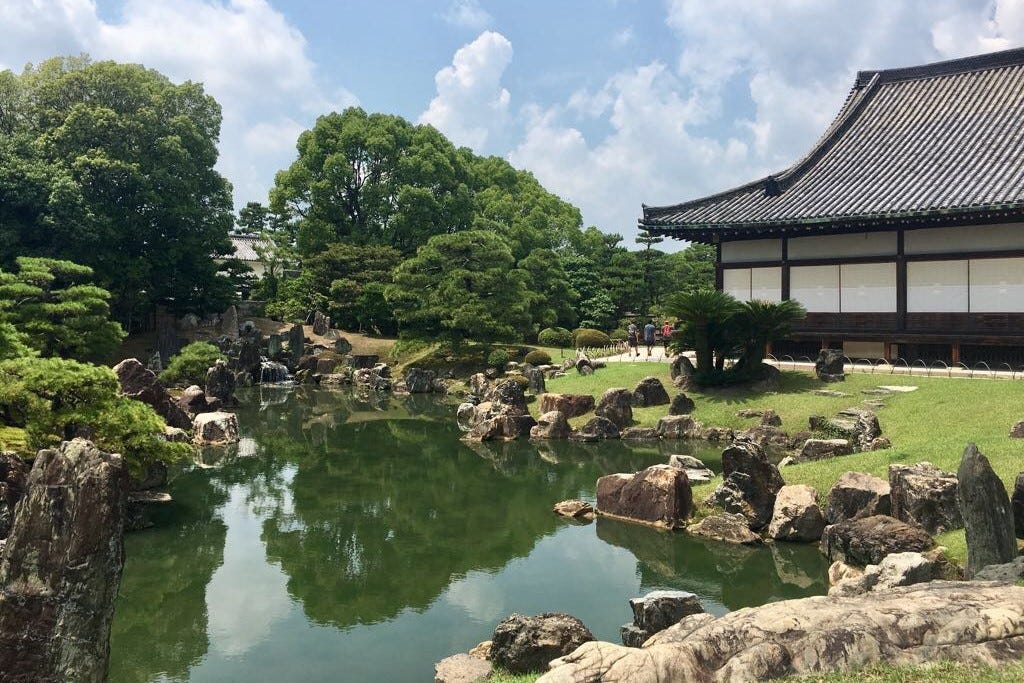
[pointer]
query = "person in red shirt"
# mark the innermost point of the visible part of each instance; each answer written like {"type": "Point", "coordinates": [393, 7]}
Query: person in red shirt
{"type": "Point", "coordinates": [666, 333]}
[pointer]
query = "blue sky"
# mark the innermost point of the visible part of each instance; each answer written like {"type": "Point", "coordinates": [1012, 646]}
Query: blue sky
{"type": "Point", "coordinates": [610, 103]}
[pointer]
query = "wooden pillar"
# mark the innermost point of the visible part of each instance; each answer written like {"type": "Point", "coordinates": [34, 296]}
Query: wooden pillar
{"type": "Point", "coordinates": [956, 353]}
{"type": "Point", "coordinates": [901, 284]}
{"type": "Point", "coordinates": [785, 268]}
{"type": "Point", "coordinates": [719, 277]}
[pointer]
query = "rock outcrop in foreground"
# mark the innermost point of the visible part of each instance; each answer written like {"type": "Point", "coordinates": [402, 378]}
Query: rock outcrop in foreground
{"type": "Point", "coordinates": [969, 622]}
{"type": "Point", "coordinates": [61, 568]}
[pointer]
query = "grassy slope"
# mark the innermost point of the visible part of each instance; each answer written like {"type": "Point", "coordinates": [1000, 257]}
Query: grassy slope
{"type": "Point", "coordinates": [933, 423]}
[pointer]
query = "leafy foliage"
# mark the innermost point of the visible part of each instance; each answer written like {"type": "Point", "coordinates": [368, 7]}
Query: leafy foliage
{"type": "Point", "coordinates": [588, 338]}
{"type": "Point", "coordinates": [190, 365]}
{"type": "Point", "coordinates": [557, 337]}
{"type": "Point", "coordinates": [54, 399]}
{"type": "Point", "coordinates": [498, 358]}
{"type": "Point", "coordinates": [537, 357]}
{"type": "Point", "coordinates": [56, 310]}
{"type": "Point", "coordinates": [13, 343]}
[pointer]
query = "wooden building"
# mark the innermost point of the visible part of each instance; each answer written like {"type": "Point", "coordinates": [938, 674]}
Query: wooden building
{"type": "Point", "coordinates": [901, 231]}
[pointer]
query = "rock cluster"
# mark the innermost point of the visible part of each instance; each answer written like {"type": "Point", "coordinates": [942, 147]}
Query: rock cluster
{"type": "Point", "coordinates": [655, 612]}
{"type": "Point", "coordinates": [858, 426]}
{"type": "Point", "coordinates": [141, 384]}
{"type": "Point", "coordinates": [659, 496]}
{"type": "Point", "coordinates": [504, 417]}
{"type": "Point", "coordinates": [896, 569]}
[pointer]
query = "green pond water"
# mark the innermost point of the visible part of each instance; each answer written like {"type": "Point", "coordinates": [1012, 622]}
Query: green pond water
{"type": "Point", "coordinates": [349, 541]}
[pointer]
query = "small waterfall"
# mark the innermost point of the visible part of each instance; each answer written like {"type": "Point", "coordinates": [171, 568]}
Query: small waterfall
{"type": "Point", "coordinates": [271, 371]}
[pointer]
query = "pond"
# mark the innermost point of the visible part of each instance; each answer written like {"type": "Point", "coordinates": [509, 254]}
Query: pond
{"type": "Point", "coordinates": [343, 540]}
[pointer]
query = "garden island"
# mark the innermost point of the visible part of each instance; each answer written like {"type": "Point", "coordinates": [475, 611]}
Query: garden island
{"type": "Point", "coordinates": [409, 418]}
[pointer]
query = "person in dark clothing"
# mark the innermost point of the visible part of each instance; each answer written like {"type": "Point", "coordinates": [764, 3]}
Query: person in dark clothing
{"type": "Point", "coordinates": [649, 330]}
{"type": "Point", "coordinates": [633, 338]}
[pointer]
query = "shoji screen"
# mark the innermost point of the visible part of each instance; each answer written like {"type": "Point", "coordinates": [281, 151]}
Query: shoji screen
{"type": "Point", "coordinates": [816, 287]}
{"type": "Point", "coordinates": [937, 287]}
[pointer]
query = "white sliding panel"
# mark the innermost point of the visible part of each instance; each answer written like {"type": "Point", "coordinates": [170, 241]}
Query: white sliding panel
{"type": "Point", "coordinates": [997, 285]}
{"type": "Point", "coordinates": [868, 288]}
{"type": "Point", "coordinates": [844, 245]}
{"type": "Point", "coordinates": [937, 287]}
{"type": "Point", "coordinates": [816, 287]}
{"type": "Point", "coordinates": [751, 250]}
{"type": "Point", "coordinates": [964, 238]}
{"type": "Point", "coordinates": [766, 284]}
{"type": "Point", "coordinates": [736, 281]}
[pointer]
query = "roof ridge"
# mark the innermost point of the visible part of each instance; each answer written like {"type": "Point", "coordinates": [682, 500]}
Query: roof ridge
{"type": "Point", "coordinates": [947, 67]}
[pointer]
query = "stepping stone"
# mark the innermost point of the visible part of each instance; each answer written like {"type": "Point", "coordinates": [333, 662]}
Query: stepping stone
{"type": "Point", "coordinates": [899, 388]}
{"type": "Point", "coordinates": [829, 393]}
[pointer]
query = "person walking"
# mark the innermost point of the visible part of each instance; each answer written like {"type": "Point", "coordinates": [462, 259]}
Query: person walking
{"type": "Point", "coordinates": [633, 338]}
{"type": "Point", "coordinates": [666, 335]}
{"type": "Point", "coordinates": [649, 330]}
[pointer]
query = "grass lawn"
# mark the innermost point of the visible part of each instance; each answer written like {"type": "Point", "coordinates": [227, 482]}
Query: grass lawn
{"type": "Point", "coordinates": [933, 423]}
{"type": "Point", "coordinates": [944, 672]}
{"type": "Point", "coordinates": [13, 439]}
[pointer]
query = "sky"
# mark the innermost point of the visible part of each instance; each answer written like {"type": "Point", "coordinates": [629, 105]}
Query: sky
{"type": "Point", "coordinates": [609, 103]}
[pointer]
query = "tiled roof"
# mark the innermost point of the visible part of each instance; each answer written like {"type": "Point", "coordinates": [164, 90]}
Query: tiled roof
{"type": "Point", "coordinates": [245, 247]}
{"type": "Point", "coordinates": [939, 139]}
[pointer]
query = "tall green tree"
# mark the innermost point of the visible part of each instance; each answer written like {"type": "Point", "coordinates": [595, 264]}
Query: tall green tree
{"type": "Point", "coordinates": [462, 286]}
{"type": "Point", "coordinates": [57, 309]}
{"type": "Point", "coordinates": [112, 165]}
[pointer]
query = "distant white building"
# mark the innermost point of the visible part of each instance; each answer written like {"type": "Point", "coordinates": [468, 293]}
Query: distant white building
{"type": "Point", "coordinates": [245, 250]}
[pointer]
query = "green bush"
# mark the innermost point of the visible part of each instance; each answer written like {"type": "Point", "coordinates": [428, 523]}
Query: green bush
{"type": "Point", "coordinates": [520, 380]}
{"type": "Point", "coordinates": [619, 335]}
{"type": "Point", "coordinates": [538, 357]}
{"type": "Point", "coordinates": [555, 337]}
{"type": "Point", "coordinates": [190, 365]}
{"type": "Point", "coordinates": [498, 359]}
{"type": "Point", "coordinates": [587, 338]}
{"type": "Point", "coordinates": [52, 398]}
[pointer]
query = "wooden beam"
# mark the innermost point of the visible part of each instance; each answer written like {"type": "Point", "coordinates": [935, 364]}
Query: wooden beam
{"type": "Point", "coordinates": [901, 283]}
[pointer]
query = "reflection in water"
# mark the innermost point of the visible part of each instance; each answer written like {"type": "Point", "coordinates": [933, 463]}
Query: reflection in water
{"type": "Point", "coordinates": [359, 538]}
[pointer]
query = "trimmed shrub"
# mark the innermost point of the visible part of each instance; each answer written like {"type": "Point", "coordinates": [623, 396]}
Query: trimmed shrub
{"type": "Point", "coordinates": [520, 380]}
{"type": "Point", "coordinates": [538, 357]}
{"type": "Point", "coordinates": [587, 338]}
{"type": "Point", "coordinates": [619, 335]}
{"type": "Point", "coordinates": [556, 337]}
{"type": "Point", "coordinates": [190, 365]}
{"type": "Point", "coordinates": [498, 359]}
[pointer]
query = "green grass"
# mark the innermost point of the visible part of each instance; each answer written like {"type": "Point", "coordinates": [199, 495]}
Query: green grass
{"type": "Point", "coordinates": [944, 672]}
{"type": "Point", "coordinates": [505, 677]}
{"type": "Point", "coordinates": [933, 423]}
{"type": "Point", "coordinates": [13, 439]}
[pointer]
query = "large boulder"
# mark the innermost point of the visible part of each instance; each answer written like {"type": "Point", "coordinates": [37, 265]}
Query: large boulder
{"type": "Point", "coordinates": [500, 425]}
{"type": "Point", "coordinates": [750, 484]}
{"type": "Point", "coordinates": [796, 516]}
{"type": "Point", "coordinates": [462, 668]}
{"type": "Point", "coordinates": [139, 383]}
{"type": "Point", "coordinates": [419, 381]}
{"type": "Point", "coordinates": [925, 495]}
{"type": "Point", "coordinates": [596, 429]}
{"type": "Point", "coordinates": [681, 404]}
{"type": "Point", "coordinates": [858, 426]}
{"type": "Point", "coordinates": [856, 495]}
{"type": "Point", "coordinates": [469, 415]}
{"type": "Point", "coordinates": [678, 427]}
{"type": "Point", "coordinates": [214, 429]}
{"type": "Point", "coordinates": [194, 401]}
{"type": "Point", "coordinates": [919, 624]}
{"type": "Point", "coordinates": [522, 644]}
{"type": "Point", "coordinates": [820, 449]}
{"type": "Point", "coordinates": [61, 567]}
{"type": "Point", "coordinates": [829, 365]}
{"type": "Point", "coordinates": [1017, 505]}
{"type": "Point", "coordinates": [868, 540]}
{"type": "Point", "coordinates": [726, 527]}
{"type": "Point", "coordinates": [220, 383]}
{"type": "Point", "coordinates": [696, 471]}
{"type": "Point", "coordinates": [321, 323]}
{"type": "Point", "coordinates": [229, 323]}
{"type": "Point", "coordinates": [535, 377]}
{"type": "Point", "coordinates": [897, 569]}
{"type": "Point", "coordinates": [988, 519]}
{"type": "Point", "coordinates": [655, 612]}
{"type": "Point", "coordinates": [296, 344]}
{"type": "Point", "coordinates": [509, 394]}
{"type": "Point", "coordinates": [551, 425]}
{"type": "Point", "coordinates": [13, 481]}
{"type": "Point", "coordinates": [650, 392]}
{"type": "Point", "coordinates": [570, 405]}
{"type": "Point", "coordinates": [616, 405]}
{"type": "Point", "coordinates": [659, 495]}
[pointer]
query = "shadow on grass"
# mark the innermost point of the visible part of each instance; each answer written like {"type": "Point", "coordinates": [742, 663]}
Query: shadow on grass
{"type": "Point", "coordinates": [793, 382]}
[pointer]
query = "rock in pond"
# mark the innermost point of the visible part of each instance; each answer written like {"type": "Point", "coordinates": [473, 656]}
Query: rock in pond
{"type": "Point", "coordinates": [194, 401]}
{"type": "Point", "coordinates": [211, 429]}
{"type": "Point", "coordinates": [925, 495]}
{"type": "Point", "coordinates": [570, 405]}
{"type": "Point", "coordinates": [681, 404]}
{"type": "Point", "coordinates": [616, 405]}
{"type": "Point", "coordinates": [650, 392]}
{"type": "Point", "coordinates": [462, 668]}
{"type": "Point", "coordinates": [726, 527]}
{"type": "Point", "coordinates": [985, 507]}
{"type": "Point", "coordinates": [596, 429]}
{"type": "Point", "coordinates": [574, 508]}
{"type": "Point", "coordinates": [522, 644]}
{"type": "Point", "coordinates": [141, 384]}
{"type": "Point", "coordinates": [696, 471]}
{"type": "Point", "coordinates": [750, 484]}
{"type": "Point", "coordinates": [220, 382]}
{"type": "Point", "coordinates": [551, 425]}
{"type": "Point", "coordinates": [639, 434]}
{"type": "Point", "coordinates": [917, 624]}
{"type": "Point", "coordinates": [855, 495]}
{"type": "Point", "coordinates": [419, 381]}
{"type": "Point", "coordinates": [659, 496]}
{"type": "Point", "coordinates": [61, 567]}
{"type": "Point", "coordinates": [678, 427]}
{"type": "Point", "coordinates": [868, 540]}
{"type": "Point", "coordinates": [796, 516]}
{"type": "Point", "coordinates": [655, 612]}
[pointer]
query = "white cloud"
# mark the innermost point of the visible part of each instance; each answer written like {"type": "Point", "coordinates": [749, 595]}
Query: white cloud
{"type": "Point", "coordinates": [754, 85]}
{"type": "Point", "coordinates": [245, 52]}
{"type": "Point", "coordinates": [468, 14]}
{"type": "Point", "coordinates": [471, 102]}
{"type": "Point", "coordinates": [623, 37]}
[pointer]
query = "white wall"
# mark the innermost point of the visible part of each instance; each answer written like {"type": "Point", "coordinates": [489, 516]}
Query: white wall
{"type": "Point", "coordinates": [836, 246]}
{"type": "Point", "coordinates": [997, 285]}
{"type": "Point", "coordinates": [937, 287]}
{"type": "Point", "coordinates": [868, 288]}
{"type": "Point", "coordinates": [751, 250]}
{"type": "Point", "coordinates": [766, 284]}
{"type": "Point", "coordinates": [816, 287]}
{"type": "Point", "coordinates": [964, 238]}
{"type": "Point", "coordinates": [736, 281]}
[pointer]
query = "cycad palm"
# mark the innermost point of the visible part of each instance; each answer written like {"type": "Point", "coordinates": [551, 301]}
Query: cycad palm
{"type": "Point", "coordinates": [704, 314]}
